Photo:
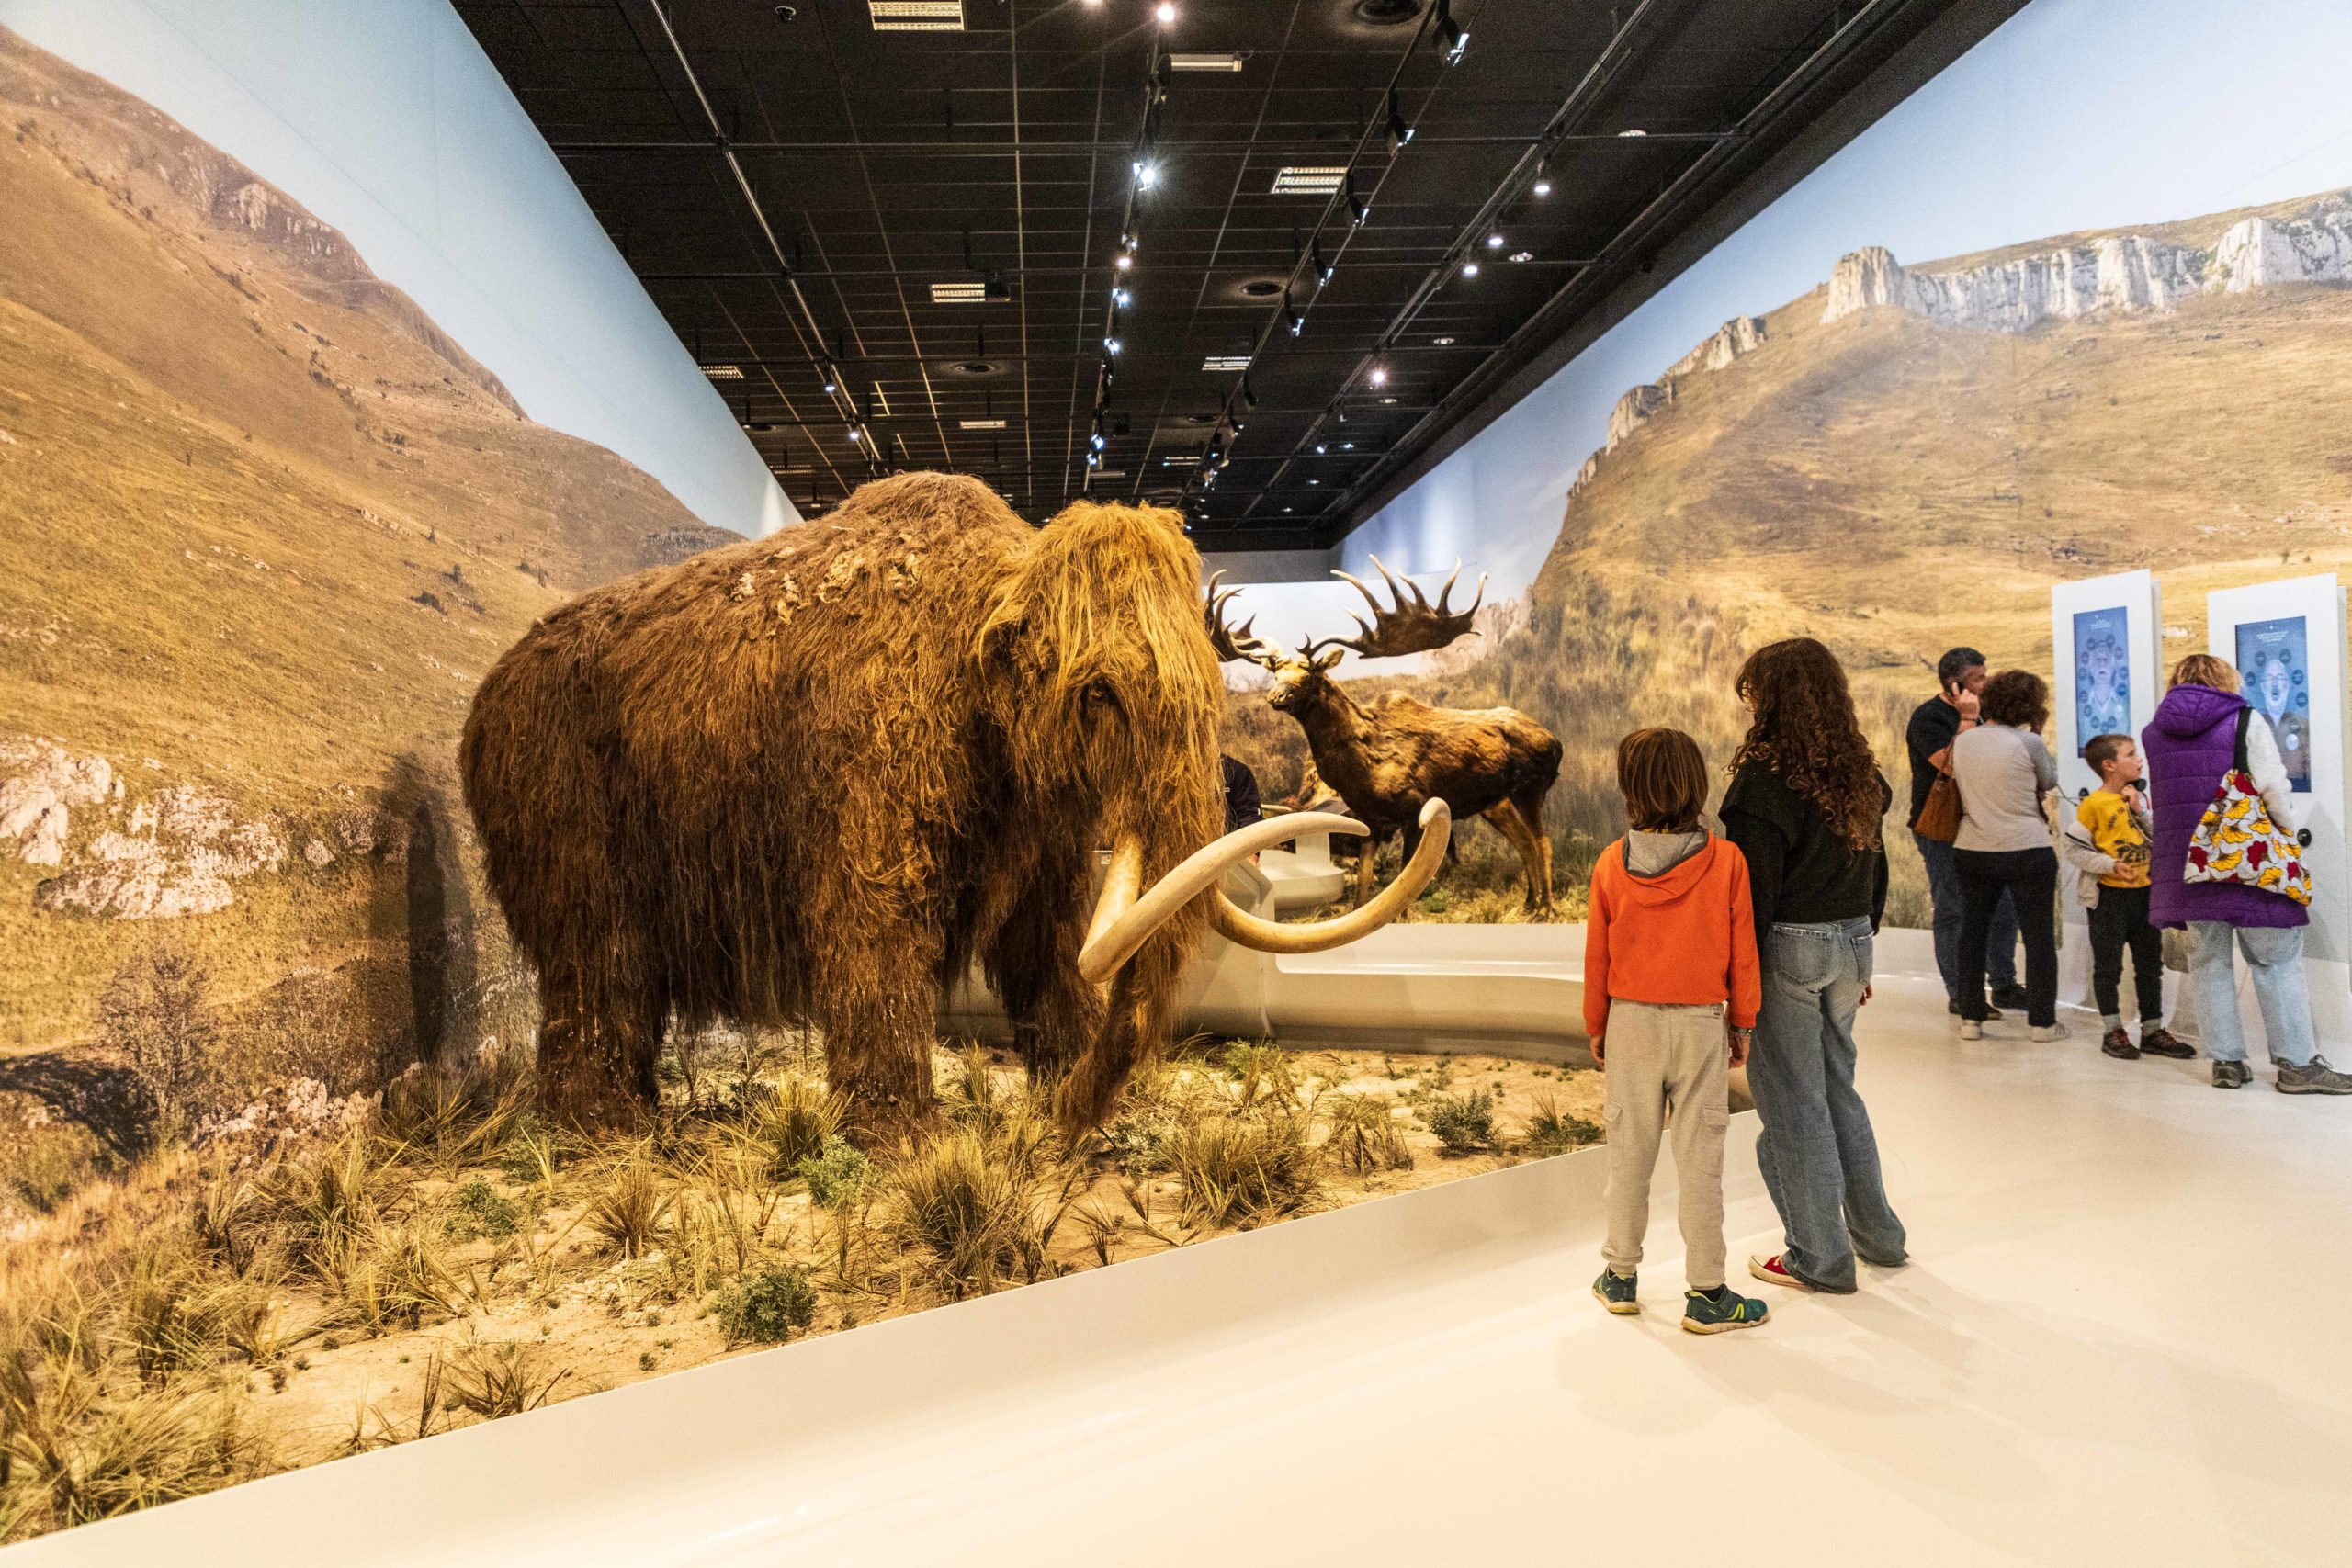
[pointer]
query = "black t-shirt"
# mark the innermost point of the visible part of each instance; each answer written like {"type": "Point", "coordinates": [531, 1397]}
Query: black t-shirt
{"type": "Point", "coordinates": [1935, 723]}
{"type": "Point", "coordinates": [1799, 871]}
{"type": "Point", "coordinates": [1242, 806]}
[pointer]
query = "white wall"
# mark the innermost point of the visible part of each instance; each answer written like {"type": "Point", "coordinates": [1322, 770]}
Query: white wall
{"type": "Point", "coordinates": [385, 118]}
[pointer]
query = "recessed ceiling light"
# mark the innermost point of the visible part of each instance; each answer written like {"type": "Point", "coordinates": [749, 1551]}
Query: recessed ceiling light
{"type": "Point", "coordinates": [1494, 241]}
{"type": "Point", "coordinates": [1523, 256]}
{"type": "Point", "coordinates": [1634, 132]}
{"type": "Point", "coordinates": [1225, 361]}
{"type": "Point", "coordinates": [1387, 400]}
{"type": "Point", "coordinates": [1315, 481]}
{"type": "Point", "coordinates": [980, 425]}
{"type": "Point", "coordinates": [1205, 63]}
{"type": "Point", "coordinates": [1442, 342]}
{"type": "Point", "coordinates": [916, 15]}
{"type": "Point", "coordinates": [1347, 446]}
{"type": "Point", "coordinates": [723, 372]}
{"type": "Point", "coordinates": [1308, 179]}
{"type": "Point", "coordinates": [1469, 269]}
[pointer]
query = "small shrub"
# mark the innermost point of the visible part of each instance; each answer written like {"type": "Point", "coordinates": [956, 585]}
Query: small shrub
{"type": "Point", "coordinates": [1243, 1169]}
{"type": "Point", "coordinates": [156, 1012]}
{"type": "Point", "coordinates": [794, 1120]}
{"type": "Point", "coordinates": [645, 1361]}
{"type": "Point", "coordinates": [1551, 1131]}
{"type": "Point", "coordinates": [968, 1212]}
{"type": "Point", "coordinates": [479, 1210]}
{"type": "Point", "coordinates": [1260, 1071]}
{"type": "Point", "coordinates": [1364, 1135]}
{"type": "Point", "coordinates": [1464, 1122]}
{"type": "Point", "coordinates": [534, 1152]}
{"type": "Point", "coordinates": [505, 1379]}
{"type": "Point", "coordinates": [629, 1209]}
{"type": "Point", "coordinates": [44, 1164]}
{"type": "Point", "coordinates": [837, 1176]}
{"type": "Point", "coordinates": [769, 1307]}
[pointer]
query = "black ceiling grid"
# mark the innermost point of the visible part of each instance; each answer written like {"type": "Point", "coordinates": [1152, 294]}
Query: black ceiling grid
{"type": "Point", "coordinates": [992, 157]}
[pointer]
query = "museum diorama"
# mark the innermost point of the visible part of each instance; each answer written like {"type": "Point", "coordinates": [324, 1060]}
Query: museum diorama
{"type": "Point", "coordinates": [676, 678]}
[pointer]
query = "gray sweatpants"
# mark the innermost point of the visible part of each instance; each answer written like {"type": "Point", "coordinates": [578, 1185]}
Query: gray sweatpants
{"type": "Point", "coordinates": [1665, 1061]}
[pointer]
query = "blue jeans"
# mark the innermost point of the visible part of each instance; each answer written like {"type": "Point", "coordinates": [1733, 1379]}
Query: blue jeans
{"type": "Point", "coordinates": [1943, 893]}
{"type": "Point", "coordinates": [1817, 1152]}
{"type": "Point", "coordinates": [2274, 956]}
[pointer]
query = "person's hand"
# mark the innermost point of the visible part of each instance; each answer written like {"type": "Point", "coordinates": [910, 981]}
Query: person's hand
{"type": "Point", "coordinates": [1739, 1039]}
{"type": "Point", "coordinates": [1867, 992]}
{"type": "Point", "coordinates": [1970, 704]}
{"type": "Point", "coordinates": [1598, 1053]}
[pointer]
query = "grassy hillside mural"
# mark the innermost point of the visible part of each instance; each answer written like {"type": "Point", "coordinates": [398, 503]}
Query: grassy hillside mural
{"type": "Point", "coordinates": [1907, 457]}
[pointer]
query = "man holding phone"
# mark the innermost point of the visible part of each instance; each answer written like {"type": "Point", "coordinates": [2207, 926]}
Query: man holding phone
{"type": "Point", "coordinates": [1934, 725]}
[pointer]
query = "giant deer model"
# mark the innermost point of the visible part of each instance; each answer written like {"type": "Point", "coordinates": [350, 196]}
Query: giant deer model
{"type": "Point", "coordinates": [1389, 759]}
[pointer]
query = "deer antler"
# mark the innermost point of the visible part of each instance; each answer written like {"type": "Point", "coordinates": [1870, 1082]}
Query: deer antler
{"type": "Point", "coordinates": [1400, 627]}
{"type": "Point", "coordinates": [1233, 643]}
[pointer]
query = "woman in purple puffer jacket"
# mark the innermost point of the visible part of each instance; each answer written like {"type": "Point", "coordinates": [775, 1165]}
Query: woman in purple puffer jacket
{"type": "Point", "coordinates": [2189, 744]}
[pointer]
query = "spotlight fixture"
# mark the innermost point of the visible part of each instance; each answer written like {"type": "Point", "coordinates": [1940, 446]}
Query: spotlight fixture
{"type": "Point", "coordinates": [1469, 269]}
{"type": "Point", "coordinates": [1323, 269]}
{"type": "Point", "coordinates": [1399, 132]}
{"type": "Point", "coordinates": [1451, 37]}
{"type": "Point", "coordinates": [1358, 208]}
{"type": "Point", "coordinates": [832, 380]}
{"type": "Point", "coordinates": [1122, 261]}
{"type": "Point", "coordinates": [853, 433]}
{"type": "Point", "coordinates": [1296, 322]}
{"type": "Point", "coordinates": [1379, 377]}
{"type": "Point", "coordinates": [1635, 130]}
{"type": "Point", "coordinates": [1494, 241]}
{"type": "Point", "coordinates": [1165, 13]}
{"type": "Point", "coordinates": [1347, 446]}
{"type": "Point", "coordinates": [1146, 173]}
{"type": "Point", "coordinates": [1543, 185]}
{"type": "Point", "coordinates": [1110, 346]}
{"type": "Point", "coordinates": [1320, 448]}
{"type": "Point", "coordinates": [1120, 296]}
{"type": "Point", "coordinates": [1442, 342]}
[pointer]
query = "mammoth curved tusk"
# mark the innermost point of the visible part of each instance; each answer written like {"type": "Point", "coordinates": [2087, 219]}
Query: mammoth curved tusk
{"type": "Point", "coordinates": [1112, 940]}
{"type": "Point", "coordinates": [1121, 883]}
{"type": "Point", "coordinates": [1239, 926]}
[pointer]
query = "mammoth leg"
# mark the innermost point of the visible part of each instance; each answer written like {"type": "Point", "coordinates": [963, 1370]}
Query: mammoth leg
{"type": "Point", "coordinates": [600, 1030]}
{"type": "Point", "coordinates": [875, 999]}
{"type": "Point", "coordinates": [1033, 962]}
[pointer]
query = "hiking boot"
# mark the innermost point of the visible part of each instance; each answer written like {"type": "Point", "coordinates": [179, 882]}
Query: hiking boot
{"type": "Point", "coordinates": [2231, 1074]}
{"type": "Point", "coordinates": [1712, 1311]}
{"type": "Point", "coordinates": [2010, 996]}
{"type": "Point", "coordinates": [1615, 1291]}
{"type": "Point", "coordinates": [1969, 1029]}
{"type": "Point", "coordinates": [1772, 1271]}
{"type": "Point", "coordinates": [2118, 1045]}
{"type": "Point", "coordinates": [1992, 1015]}
{"type": "Point", "coordinates": [2045, 1033]}
{"type": "Point", "coordinates": [2314, 1076]}
{"type": "Point", "coordinates": [2165, 1042]}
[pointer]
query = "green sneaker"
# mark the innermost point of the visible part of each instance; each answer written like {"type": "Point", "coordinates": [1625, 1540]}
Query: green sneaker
{"type": "Point", "coordinates": [1615, 1291]}
{"type": "Point", "coordinates": [1712, 1311]}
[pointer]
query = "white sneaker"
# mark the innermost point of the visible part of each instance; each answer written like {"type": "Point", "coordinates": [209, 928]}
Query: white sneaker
{"type": "Point", "coordinates": [2044, 1032]}
{"type": "Point", "coordinates": [1971, 1030]}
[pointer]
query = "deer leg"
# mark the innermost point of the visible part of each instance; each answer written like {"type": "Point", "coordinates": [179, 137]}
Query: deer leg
{"type": "Point", "coordinates": [1530, 807]}
{"type": "Point", "coordinates": [1367, 854]}
{"type": "Point", "coordinates": [1504, 818]}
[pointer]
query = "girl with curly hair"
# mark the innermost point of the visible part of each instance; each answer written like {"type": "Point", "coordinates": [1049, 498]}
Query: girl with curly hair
{"type": "Point", "coordinates": [1807, 807]}
{"type": "Point", "coordinates": [2005, 770]}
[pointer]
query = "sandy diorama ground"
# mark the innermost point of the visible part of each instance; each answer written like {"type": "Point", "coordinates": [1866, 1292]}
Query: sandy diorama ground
{"type": "Point", "coordinates": [331, 1280]}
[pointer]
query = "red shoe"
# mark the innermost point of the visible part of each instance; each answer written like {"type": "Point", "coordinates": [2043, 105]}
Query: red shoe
{"type": "Point", "coordinates": [1771, 1271]}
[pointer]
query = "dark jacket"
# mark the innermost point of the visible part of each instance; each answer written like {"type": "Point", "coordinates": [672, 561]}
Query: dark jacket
{"type": "Point", "coordinates": [1800, 873]}
{"type": "Point", "coordinates": [1242, 805]}
{"type": "Point", "coordinates": [2191, 743]}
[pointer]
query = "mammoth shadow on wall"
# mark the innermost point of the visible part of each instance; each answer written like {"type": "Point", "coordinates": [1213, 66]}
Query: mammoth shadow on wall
{"type": "Point", "coordinates": [444, 996]}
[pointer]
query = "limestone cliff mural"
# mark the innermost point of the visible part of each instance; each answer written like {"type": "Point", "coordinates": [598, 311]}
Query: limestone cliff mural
{"type": "Point", "coordinates": [1908, 456]}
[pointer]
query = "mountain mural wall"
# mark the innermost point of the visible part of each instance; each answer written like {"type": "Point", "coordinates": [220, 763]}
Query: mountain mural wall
{"type": "Point", "coordinates": [1908, 456]}
{"type": "Point", "coordinates": [265, 526]}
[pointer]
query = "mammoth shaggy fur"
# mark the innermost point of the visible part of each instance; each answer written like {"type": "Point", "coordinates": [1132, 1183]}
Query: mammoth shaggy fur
{"type": "Point", "coordinates": [810, 778]}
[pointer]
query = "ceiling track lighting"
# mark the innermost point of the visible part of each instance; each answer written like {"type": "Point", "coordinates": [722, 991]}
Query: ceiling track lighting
{"type": "Point", "coordinates": [1358, 208]}
{"type": "Point", "coordinates": [1323, 269]}
{"type": "Point", "coordinates": [1453, 38]}
{"type": "Point", "coordinates": [1543, 185]}
{"type": "Point", "coordinates": [1290, 318]}
{"type": "Point", "coordinates": [1399, 132]}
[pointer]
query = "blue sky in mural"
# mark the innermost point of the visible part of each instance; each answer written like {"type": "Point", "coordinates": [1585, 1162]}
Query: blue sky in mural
{"type": "Point", "coordinates": [2078, 114]}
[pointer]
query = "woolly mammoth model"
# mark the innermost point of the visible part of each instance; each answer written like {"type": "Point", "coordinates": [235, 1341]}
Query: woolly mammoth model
{"type": "Point", "coordinates": [813, 777]}
{"type": "Point", "coordinates": [1389, 761]}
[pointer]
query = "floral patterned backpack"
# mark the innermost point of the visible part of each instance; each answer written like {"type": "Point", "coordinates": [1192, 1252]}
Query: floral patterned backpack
{"type": "Point", "coordinates": [2236, 840]}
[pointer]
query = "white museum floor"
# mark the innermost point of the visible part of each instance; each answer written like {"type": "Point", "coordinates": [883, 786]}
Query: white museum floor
{"type": "Point", "coordinates": [2122, 1340]}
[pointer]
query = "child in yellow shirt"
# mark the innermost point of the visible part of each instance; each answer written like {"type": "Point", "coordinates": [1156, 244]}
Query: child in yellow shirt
{"type": "Point", "coordinates": [2115, 816]}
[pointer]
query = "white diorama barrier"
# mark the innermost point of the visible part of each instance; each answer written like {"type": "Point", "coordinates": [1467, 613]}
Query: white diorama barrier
{"type": "Point", "coordinates": [2287, 641]}
{"type": "Point", "coordinates": [2106, 641]}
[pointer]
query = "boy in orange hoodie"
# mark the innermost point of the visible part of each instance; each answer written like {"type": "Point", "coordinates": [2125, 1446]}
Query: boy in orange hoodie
{"type": "Point", "coordinates": [1671, 993]}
